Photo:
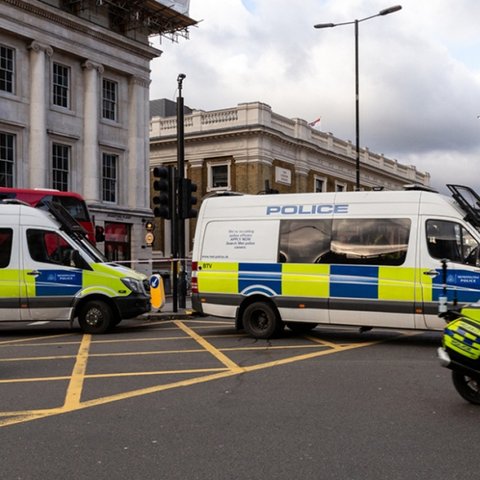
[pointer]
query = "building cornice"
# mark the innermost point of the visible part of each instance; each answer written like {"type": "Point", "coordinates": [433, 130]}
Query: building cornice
{"type": "Point", "coordinates": [83, 27]}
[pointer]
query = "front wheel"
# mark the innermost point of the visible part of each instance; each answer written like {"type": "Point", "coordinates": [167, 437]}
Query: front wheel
{"type": "Point", "coordinates": [467, 387]}
{"type": "Point", "coordinates": [261, 320]}
{"type": "Point", "coordinates": [95, 317]}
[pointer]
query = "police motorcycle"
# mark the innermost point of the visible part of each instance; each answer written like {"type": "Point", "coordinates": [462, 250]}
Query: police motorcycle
{"type": "Point", "coordinates": [460, 350]}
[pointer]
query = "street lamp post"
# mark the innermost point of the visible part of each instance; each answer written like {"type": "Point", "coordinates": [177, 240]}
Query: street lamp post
{"type": "Point", "coordinates": [384, 12]}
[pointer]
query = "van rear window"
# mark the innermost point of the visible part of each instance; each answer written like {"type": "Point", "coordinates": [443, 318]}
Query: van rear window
{"type": "Point", "coordinates": [356, 241]}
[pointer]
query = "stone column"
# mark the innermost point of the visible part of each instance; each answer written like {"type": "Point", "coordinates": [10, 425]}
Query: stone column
{"type": "Point", "coordinates": [138, 178]}
{"type": "Point", "coordinates": [91, 160]}
{"type": "Point", "coordinates": [38, 145]}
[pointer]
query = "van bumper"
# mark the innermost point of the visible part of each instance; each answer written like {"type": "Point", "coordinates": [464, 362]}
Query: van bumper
{"type": "Point", "coordinates": [132, 306]}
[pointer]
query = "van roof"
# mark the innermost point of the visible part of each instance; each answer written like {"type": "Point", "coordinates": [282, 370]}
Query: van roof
{"type": "Point", "coordinates": [399, 202]}
{"type": "Point", "coordinates": [35, 216]}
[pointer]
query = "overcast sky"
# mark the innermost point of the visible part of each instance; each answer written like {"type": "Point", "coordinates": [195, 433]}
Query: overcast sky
{"type": "Point", "coordinates": [419, 72]}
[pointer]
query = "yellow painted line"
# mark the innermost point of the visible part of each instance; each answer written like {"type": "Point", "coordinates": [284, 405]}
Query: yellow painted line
{"type": "Point", "coordinates": [113, 375]}
{"type": "Point", "coordinates": [21, 340]}
{"type": "Point", "coordinates": [322, 342]}
{"type": "Point", "coordinates": [74, 390]}
{"type": "Point", "coordinates": [306, 356]}
{"type": "Point", "coordinates": [209, 347]}
{"type": "Point", "coordinates": [21, 417]}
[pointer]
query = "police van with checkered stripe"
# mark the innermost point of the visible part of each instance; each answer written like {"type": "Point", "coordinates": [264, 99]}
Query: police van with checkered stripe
{"type": "Point", "coordinates": [364, 259]}
{"type": "Point", "coordinates": [49, 271]}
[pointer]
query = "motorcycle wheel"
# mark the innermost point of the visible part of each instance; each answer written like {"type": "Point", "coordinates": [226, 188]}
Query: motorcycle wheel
{"type": "Point", "coordinates": [467, 387]}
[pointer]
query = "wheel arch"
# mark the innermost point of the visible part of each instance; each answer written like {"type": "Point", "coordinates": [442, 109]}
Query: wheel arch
{"type": "Point", "coordinates": [94, 296]}
{"type": "Point", "coordinates": [248, 301]}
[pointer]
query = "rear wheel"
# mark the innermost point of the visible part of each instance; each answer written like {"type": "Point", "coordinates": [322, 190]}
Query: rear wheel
{"type": "Point", "coordinates": [301, 327]}
{"type": "Point", "coordinates": [467, 387]}
{"type": "Point", "coordinates": [261, 320]}
{"type": "Point", "coordinates": [95, 317]}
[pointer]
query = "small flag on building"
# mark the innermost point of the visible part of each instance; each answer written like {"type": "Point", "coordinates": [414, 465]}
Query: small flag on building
{"type": "Point", "coordinates": [312, 124]}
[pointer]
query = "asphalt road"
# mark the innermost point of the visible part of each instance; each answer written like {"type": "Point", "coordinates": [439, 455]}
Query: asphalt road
{"type": "Point", "coordinates": [193, 399]}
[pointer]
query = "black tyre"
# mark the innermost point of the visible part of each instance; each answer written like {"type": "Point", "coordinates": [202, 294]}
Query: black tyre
{"type": "Point", "coordinates": [95, 317]}
{"type": "Point", "coordinates": [261, 320]}
{"type": "Point", "coordinates": [301, 327]}
{"type": "Point", "coordinates": [467, 387]}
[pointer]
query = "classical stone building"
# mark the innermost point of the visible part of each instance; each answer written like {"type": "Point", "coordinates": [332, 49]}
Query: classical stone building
{"type": "Point", "coordinates": [249, 147]}
{"type": "Point", "coordinates": [74, 92]}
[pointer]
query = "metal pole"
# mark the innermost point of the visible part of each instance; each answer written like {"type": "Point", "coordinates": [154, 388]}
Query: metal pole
{"type": "Point", "coordinates": [181, 176]}
{"type": "Point", "coordinates": [174, 238]}
{"type": "Point", "coordinates": [357, 111]}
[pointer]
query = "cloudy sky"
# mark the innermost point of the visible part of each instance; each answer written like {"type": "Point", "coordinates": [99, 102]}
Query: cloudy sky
{"type": "Point", "coordinates": [419, 72]}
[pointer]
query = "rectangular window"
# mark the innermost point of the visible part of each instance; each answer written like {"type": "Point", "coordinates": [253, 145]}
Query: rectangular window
{"type": "Point", "coordinates": [109, 99]}
{"type": "Point", "coordinates": [6, 235]}
{"type": "Point", "coordinates": [61, 85]}
{"type": "Point", "coordinates": [320, 185]}
{"type": "Point", "coordinates": [364, 241]}
{"type": "Point", "coordinates": [7, 159]}
{"type": "Point", "coordinates": [219, 176]}
{"type": "Point", "coordinates": [109, 177]}
{"type": "Point", "coordinates": [61, 155]}
{"type": "Point", "coordinates": [7, 69]}
{"type": "Point", "coordinates": [451, 241]}
{"type": "Point", "coordinates": [340, 187]}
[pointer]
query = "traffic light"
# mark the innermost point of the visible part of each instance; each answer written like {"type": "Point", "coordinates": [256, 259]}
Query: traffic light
{"type": "Point", "coordinates": [162, 198]}
{"type": "Point", "coordinates": [188, 199]}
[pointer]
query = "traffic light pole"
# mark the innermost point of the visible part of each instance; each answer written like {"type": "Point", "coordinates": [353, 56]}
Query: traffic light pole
{"type": "Point", "coordinates": [174, 238]}
{"type": "Point", "coordinates": [181, 175]}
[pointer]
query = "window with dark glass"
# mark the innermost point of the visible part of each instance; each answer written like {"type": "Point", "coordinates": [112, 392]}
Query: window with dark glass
{"type": "Point", "coordinates": [61, 85]}
{"type": "Point", "coordinates": [344, 241]}
{"type": "Point", "coordinates": [109, 99]}
{"type": "Point", "coordinates": [109, 177]}
{"type": "Point", "coordinates": [7, 159]}
{"type": "Point", "coordinates": [6, 235]}
{"type": "Point", "coordinates": [7, 69]}
{"type": "Point", "coordinates": [45, 246]}
{"type": "Point", "coordinates": [451, 241]}
{"type": "Point", "coordinates": [319, 185]}
{"type": "Point", "coordinates": [60, 167]}
{"type": "Point", "coordinates": [219, 176]}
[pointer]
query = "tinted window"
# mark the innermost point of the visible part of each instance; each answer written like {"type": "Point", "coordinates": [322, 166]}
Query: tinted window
{"type": "Point", "coordinates": [344, 241]}
{"type": "Point", "coordinates": [6, 235]}
{"type": "Point", "coordinates": [451, 241]}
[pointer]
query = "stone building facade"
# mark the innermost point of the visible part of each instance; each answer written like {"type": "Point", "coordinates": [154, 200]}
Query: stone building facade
{"type": "Point", "coordinates": [248, 147]}
{"type": "Point", "coordinates": [74, 84]}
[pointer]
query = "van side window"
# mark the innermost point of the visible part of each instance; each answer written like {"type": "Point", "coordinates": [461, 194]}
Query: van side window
{"type": "Point", "coordinates": [369, 241]}
{"type": "Point", "coordinates": [363, 241]}
{"type": "Point", "coordinates": [304, 241]}
{"type": "Point", "coordinates": [451, 241]}
{"type": "Point", "coordinates": [6, 235]}
{"type": "Point", "coordinates": [48, 247]}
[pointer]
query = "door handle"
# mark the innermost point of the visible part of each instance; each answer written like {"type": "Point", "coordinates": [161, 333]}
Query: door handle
{"type": "Point", "coordinates": [431, 273]}
{"type": "Point", "coordinates": [34, 273]}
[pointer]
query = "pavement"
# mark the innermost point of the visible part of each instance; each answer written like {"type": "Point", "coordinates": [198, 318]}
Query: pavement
{"type": "Point", "coordinates": [167, 312]}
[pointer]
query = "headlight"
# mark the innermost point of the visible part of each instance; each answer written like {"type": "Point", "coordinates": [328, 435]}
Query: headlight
{"type": "Point", "coordinates": [132, 284]}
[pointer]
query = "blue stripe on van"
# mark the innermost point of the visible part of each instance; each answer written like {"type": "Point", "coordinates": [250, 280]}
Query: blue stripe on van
{"type": "Point", "coordinates": [264, 278]}
{"type": "Point", "coordinates": [351, 281]}
{"type": "Point", "coordinates": [466, 283]}
{"type": "Point", "coordinates": [58, 283]}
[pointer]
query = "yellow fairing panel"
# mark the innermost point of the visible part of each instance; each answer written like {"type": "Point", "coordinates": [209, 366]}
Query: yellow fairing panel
{"type": "Point", "coordinates": [305, 280]}
{"type": "Point", "coordinates": [396, 283]}
{"type": "Point", "coordinates": [217, 277]}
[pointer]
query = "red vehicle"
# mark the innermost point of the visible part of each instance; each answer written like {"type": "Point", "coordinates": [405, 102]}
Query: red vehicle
{"type": "Point", "coordinates": [72, 202]}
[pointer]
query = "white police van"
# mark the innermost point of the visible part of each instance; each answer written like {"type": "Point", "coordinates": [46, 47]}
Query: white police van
{"type": "Point", "coordinates": [365, 259]}
{"type": "Point", "coordinates": [49, 271]}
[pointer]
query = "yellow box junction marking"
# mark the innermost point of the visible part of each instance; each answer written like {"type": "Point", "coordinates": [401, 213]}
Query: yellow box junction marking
{"type": "Point", "coordinates": [77, 379]}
